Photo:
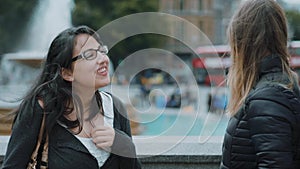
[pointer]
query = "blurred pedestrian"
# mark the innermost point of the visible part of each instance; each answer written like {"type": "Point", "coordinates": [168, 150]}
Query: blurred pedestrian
{"type": "Point", "coordinates": [264, 105]}
{"type": "Point", "coordinates": [209, 103]}
{"type": "Point", "coordinates": [86, 128]}
{"type": "Point", "coordinates": [146, 86]}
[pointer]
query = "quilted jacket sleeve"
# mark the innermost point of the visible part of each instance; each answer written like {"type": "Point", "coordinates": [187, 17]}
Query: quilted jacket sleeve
{"type": "Point", "coordinates": [270, 125]}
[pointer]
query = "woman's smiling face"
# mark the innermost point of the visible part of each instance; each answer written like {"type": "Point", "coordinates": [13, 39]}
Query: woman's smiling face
{"type": "Point", "coordinates": [94, 72]}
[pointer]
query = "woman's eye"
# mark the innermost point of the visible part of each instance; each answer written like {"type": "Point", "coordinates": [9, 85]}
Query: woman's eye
{"type": "Point", "coordinates": [89, 54]}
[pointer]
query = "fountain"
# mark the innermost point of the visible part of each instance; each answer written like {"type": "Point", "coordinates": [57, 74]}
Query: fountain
{"type": "Point", "coordinates": [18, 70]}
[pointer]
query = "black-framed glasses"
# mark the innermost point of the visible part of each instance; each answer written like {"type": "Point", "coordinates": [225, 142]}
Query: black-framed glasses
{"type": "Point", "coordinates": [91, 54]}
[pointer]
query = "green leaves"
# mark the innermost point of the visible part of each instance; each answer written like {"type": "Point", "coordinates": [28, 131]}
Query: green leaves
{"type": "Point", "coordinates": [294, 23]}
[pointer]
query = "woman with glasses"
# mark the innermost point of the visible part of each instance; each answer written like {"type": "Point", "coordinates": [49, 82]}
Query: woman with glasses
{"type": "Point", "coordinates": [264, 129]}
{"type": "Point", "coordinates": [86, 128]}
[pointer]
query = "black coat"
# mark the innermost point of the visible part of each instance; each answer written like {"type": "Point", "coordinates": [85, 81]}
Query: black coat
{"type": "Point", "coordinates": [65, 150]}
{"type": "Point", "coordinates": [265, 132]}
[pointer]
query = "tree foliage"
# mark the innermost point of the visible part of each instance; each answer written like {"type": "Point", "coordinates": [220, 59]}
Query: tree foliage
{"type": "Point", "coordinates": [98, 13]}
{"type": "Point", "coordinates": [14, 16]}
{"type": "Point", "coordinates": [294, 22]}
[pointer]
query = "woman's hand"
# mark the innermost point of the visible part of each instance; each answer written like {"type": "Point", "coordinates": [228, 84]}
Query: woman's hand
{"type": "Point", "coordinates": [103, 137]}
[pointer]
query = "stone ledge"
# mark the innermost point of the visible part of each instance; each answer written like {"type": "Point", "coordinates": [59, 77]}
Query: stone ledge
{"type": "Point", "coordinates": [178, 145]}
{"type": "Point", "coordinates": [182, 159]}
{"type": "Point", "coordinates": [176, 152]}
{"type": "Point", "coordinates": [169, 152]}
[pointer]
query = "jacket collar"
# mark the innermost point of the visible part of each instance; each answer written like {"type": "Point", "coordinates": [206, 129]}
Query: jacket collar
{"type": "Point", "coordinates": [270, 64]}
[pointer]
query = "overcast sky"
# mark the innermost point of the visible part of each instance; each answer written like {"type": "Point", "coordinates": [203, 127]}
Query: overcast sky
{"type": "Point", "coordinates": [293, 4]}
{"type": "Point", "coordinates": [293, 1]}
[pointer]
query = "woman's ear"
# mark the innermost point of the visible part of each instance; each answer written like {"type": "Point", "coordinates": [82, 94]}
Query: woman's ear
{"type": "Point", "coordinates": [67, 74]}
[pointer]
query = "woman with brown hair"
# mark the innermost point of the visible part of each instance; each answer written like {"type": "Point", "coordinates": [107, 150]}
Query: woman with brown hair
{"type": "Point", "coordinates": [264, 130]}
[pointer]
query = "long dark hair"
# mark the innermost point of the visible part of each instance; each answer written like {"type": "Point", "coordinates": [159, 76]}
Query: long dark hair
{"type": "Point", "coordinates": [55, 92]}
{"type": "Point", "coordinates": [258, 29]}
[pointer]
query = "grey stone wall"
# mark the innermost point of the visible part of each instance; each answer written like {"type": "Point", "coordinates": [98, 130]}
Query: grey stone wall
{"type": "Point", "coordinates": [169, 152]}
{"type": "Point", "coordinates": [181, 162]}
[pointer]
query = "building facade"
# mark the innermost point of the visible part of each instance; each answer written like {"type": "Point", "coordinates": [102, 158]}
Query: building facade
{"type": "Point", "coordinates": [211, 17]}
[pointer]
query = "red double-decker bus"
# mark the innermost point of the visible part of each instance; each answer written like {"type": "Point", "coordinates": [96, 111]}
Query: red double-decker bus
{"type": "Point", "coordinates": [294, 50]}
{"type": "Point", "coordinates": [211, 66]}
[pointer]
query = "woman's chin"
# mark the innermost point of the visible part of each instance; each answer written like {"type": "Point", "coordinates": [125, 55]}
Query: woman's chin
{"type": "Point", "coordinates": [103, 83]}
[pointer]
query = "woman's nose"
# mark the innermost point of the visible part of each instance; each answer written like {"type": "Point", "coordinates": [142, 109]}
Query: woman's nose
{"type": "Point", "coordinates": [101, 57]}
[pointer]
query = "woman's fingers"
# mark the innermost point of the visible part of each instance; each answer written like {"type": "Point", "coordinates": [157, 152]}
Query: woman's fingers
{"type": "Point", "coordinates": [103, 136]}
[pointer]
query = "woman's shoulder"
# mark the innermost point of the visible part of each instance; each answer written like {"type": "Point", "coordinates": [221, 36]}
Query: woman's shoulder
{"type": "Point", "coordinates": [28, 111]}
{"type": "Point", "coordinates": [272, 91]}
{"type": "Point", "coordinates": [273, 99]}
{"type": "Point", "coordinates": [31, 104]}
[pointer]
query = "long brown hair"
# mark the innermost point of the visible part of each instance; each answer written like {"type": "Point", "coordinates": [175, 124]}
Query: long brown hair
{"type": "Point", "coordinates": [257, 29]}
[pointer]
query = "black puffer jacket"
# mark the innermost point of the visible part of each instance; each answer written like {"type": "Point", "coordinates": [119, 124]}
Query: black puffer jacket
{"type": "Point", "coordinates": [265, 132]}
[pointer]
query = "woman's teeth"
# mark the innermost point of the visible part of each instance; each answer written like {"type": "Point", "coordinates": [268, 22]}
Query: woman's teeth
{"type": "Point", "coordinates": [101, 70]}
